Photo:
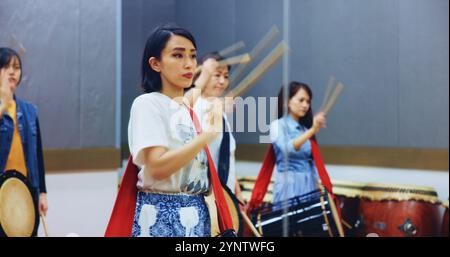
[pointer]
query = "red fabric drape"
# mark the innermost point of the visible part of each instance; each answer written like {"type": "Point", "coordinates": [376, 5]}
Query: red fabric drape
{"type": "Point", "coordinates": [122, 216]}
{"type": "Point", "coordinates": [225, 221]}
{"type": "Point", "coordinates": [265, 173]}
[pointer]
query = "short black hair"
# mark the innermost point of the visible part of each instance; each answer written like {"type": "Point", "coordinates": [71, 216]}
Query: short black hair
{"type": "Point", "coordinates": [151, 80]}
{"type": "Point", "coordinates": [6, 56]}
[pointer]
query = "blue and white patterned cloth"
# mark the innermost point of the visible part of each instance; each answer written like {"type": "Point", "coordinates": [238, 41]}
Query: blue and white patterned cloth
{"type": "Point", "coordinates": [298, 176]}
{"type": "Point", "coordinates": [171, 215]}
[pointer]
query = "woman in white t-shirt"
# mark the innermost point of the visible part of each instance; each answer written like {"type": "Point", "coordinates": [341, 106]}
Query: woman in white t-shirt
{"type": "Point", "coordinates": [224, 146]}
{"type": "Point", "coordinates": [173, 177]}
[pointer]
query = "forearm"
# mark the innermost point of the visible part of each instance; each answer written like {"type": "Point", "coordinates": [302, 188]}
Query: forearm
{"type": "Point", "coordinates": [170, 162]}
{"type": "Point", "coordinates": [237, 189]}
{"type": "Point", "coordinates": [303, 138]}
{"type": "Point", "coordinates": [193, 94]}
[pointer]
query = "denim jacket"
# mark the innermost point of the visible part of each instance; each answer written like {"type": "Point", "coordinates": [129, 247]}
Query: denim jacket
{"type": "Point", "coordinates": [283, 132]}
{"type": "Point", "coordinates": [28, 125]}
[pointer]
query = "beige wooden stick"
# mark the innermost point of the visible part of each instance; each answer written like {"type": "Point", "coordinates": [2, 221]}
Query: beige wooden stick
{"type": "Point", "coordinates": [255, 52]}
{"type": "Point", "coordinates": [262, 67]}
{"type": "Point", "coordinates": [346, 224]}
{"type": "Point", "coordinates": [232, 48]}
{"type": "Point", "coordinates": [243, 58]}
{"type": "Point", "coordinates": [336, 218]}
{"type": "Point", "coordinates": [250, 224]}
{"type": "Point", "coordinates": [44, 223]}
{"type": "Point", "coordinates": [328, 90]}
{"type": "Point", "coordinates": [333, 98]}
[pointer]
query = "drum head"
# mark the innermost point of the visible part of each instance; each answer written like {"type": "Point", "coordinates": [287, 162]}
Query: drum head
{"type": "Point", "coordinates": [18, 216]}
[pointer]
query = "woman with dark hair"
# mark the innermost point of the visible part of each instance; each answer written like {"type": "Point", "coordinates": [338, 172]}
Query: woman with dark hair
{"type": "Point", "coordinates": [20, 137]}
{"type": "Point", "coordinates": [173, 176]}
{"type": "Point", "coordinates": [224, 146]}
{"type": "Point", "coordinates": [290, 136]}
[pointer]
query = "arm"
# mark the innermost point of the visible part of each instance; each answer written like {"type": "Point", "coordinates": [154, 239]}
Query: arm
{"type": "Point", "coordinates": [208, 69]}
{"type": "Point", "coordinates": [238, 192]}
{"type": "Point", "coordinates": [43, 205]}
{"type": "Point", "coordinates": [6, 94]}
{"type": "Point", "coordinates": [162, 163]}
{"type": "Point", "coordinates": [318, 123]}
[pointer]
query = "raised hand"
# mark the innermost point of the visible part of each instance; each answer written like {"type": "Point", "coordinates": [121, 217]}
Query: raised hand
{"type": "Point", "coordinates": [6, 94]}
{"type": "Point", "coordinates": [214, 124]}
{"type": "Point", "coordinates": [319, 121]}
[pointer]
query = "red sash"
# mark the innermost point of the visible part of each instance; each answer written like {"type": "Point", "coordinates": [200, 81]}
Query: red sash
{"type": "Point", "coordinates": [121, 221]}
{"type": "Point", "coordinates": [263, 179]}
{"type": "Point", "coordinates": [225, 221]}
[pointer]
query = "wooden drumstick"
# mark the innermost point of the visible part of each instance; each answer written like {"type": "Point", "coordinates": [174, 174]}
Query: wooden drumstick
{"type": "Point", "coordinates": [232, 48]}
{"type": "Point", "coordinates": [255, 52]}
{"type": "Point", "coordinates": [250, 224]}
{"type": "Point", "coordinates": [243, 58]}
{"type": "Point", "coordinates": [44, 223]}
{"type": "Point", "coordinates": [14, 43]}
{"type": "Point", "coordinates": [333, 98]}
{"type": "Point", "coordinates": [336, 218]}
{"type": "Point", "coordinates": [331, 82]}
{"type": "Point", "coordinates": [263, 67]}
{"type": "Point", "coordinates": [346, 224]}
{"type": "Point", "coordinates": [21, 51]}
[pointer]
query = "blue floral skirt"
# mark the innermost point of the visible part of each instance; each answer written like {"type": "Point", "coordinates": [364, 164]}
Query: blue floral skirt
{"type": "Point", "coordinates": [171, 215]}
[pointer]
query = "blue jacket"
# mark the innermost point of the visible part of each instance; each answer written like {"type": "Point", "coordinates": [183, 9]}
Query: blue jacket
{"type": "Point", "coordinates": [28, 125]}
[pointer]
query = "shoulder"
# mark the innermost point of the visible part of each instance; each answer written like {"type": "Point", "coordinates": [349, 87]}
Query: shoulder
{"type": "Point", "coordinates": [150, 100]}
{"type": "Point", "coordinates": [26, 106]}
{"type": "Point", "coordinates": [276, 123]}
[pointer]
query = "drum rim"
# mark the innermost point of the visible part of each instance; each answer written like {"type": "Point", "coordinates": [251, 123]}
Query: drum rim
{"type": "Point", "coordinates": [347, 183]}
{"type": "Point", "coordinates": [8, 174]}
{"type": "Point", "coordinates": [382, 186]}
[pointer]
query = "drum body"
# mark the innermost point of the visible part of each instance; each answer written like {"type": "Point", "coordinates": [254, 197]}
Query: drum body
{"type": "Point", "coordinates": [18, 213]}
{"type": "Point", "coordinates": [306, 215]}
{"type": "Point", "coordinates": [444, 227]}
{"type": "Point", "coordinates": [233, 207]}
{"type": "Point", "coordinates": [348, 194]}
{"type": "Point", "coordinates": [399, 211]}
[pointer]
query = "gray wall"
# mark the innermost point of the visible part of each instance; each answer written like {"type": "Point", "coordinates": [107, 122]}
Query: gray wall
{"type": "Point", "coordinates": [69, 67]}
{"type": "Point", "coordinates": [393, 58]}
{"type": "Point", "coordinates": [139, 17]}
{"type": "Point", "coordinates": [391, 55]}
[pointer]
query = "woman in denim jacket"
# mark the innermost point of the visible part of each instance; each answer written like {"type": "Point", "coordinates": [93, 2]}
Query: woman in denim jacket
{"type": "Point", "coordinates": [20, 138]}
{"type": "Point", "coordinates": [290, 137]}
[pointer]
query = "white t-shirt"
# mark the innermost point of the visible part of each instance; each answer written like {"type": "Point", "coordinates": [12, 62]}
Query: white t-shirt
{"type": "Point", "coordinates": [157, 120]}
{"type": "Point", "coordinates": [201, 107]}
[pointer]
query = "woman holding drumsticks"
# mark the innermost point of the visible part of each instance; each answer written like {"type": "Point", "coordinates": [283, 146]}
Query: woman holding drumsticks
{"type": "Point", "coordinates": [213, 81]}
{"type": "Point", "coordinates": [173, 176]}
{"type": "Point", "coordinates": [20, 136]}
{"type": "Point", "coordinates": [290, 136]}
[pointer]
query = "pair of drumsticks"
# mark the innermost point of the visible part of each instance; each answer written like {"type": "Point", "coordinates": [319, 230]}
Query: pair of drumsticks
{"type": "Point", "coordinates": [332, 93]}
{"type": "Point", "coordinates": [245, 59]}
{"type": "Point", "coordinates": [44, 224]}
